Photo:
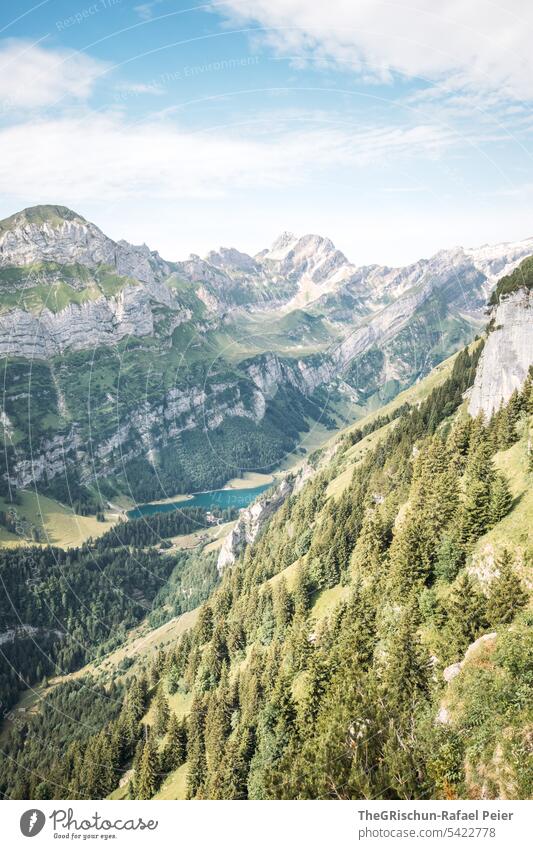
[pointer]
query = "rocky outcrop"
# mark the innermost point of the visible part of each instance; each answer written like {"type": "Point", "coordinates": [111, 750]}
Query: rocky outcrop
{"type": "Point", "coordinates": [104, 321]}
{"type": "Point", "coordinates": [507, 354]}
{"type": "Point", "coordinates": [253, 519]}
{"type": "Point", "coordinates": [251, 522]}
{"type": "Point", "coordinates": [455, 669]}
{"type": "Point", "coordinates": [22, 631]}
{"type": "Point", "coordinates": [56, 234]}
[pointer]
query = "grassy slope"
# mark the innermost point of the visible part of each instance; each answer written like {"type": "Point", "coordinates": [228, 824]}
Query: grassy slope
{"type": "Point", "coordinates": [141, 646]}
{"type": "Point", "coordinates": [515, 531]}
{"type": "Point", "coordinates": [414, 395]}
{"type": "Point", "coordinates": [326, 601]}
{"type": "Point", "coordinates": [175, 786]}
{"type": "Point", "coordinates": [59, 524]}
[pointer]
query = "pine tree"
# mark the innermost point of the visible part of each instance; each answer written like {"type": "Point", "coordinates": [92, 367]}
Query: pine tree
{"type": "Point", "coordinates": [175, 751]}
{"type": "Point", "coordinates": [406, 670]}
{"type": "Point", "coordinates": [162, 712]}
{"type": "Point", "coordinates": [196, 756]}
{"type": "Point", "coordinates": [501, 499]}
{"type": "Point", "coordinates": [283, 607]}
{"type": "Point", "coordinates": [302, 590]}
{"type": "Point", "coordinates": [476, 511]}
{"type": "Point", "coordinates": [148, 781]}
{"type": "Point", "coordinates": [506, 432]}
{"type": "Point", "coordinates": [466, 613]}
{"type": "Point", "coordinates": [450, 555]}
{"type": "Point", "coordinates": [506, 595]}
{"type": "Point", "coordinates": [204, 626]}
{"type": "Point", "coordinates": [370, 546]}
{"type": "Point", "coordinates": [173, 680]}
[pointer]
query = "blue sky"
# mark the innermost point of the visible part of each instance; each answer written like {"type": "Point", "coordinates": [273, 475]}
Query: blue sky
{"type": "Point", "coordinates": [395, 129]}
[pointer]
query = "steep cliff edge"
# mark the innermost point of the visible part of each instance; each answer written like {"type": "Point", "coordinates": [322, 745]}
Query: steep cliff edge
{"type": "Point", "coordinates": [507, 354]}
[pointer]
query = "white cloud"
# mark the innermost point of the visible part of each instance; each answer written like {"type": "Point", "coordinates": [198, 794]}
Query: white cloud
{"type": "Point", "coordinates": [140, 88]}
{"type": "Point", "coordinates": [145, 11]}
{"type": "Point", "coordinates": [102, 156]}
{"type": "Point", "coordinates": [476, 44]}
{"type": "Point", "coordinates": [32, 77]}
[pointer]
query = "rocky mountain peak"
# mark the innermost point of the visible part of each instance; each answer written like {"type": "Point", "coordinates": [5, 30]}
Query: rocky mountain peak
{"type": "Point", "coordinates": [50, 214]}
{"type": "Point", "coordinates": [232, 260]}
{"type": "Point", "coordinates": [56, 234]}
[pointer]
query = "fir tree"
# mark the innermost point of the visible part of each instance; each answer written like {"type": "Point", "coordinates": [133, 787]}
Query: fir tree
{"type": "Point", "coordinates": [175, 751]}
{"type": "Point", "coordinates": [506, 595]}
{"type": "Point", "coordinates": [450, 555]}
{"type": "Point", "coordinates": [148, 780]}
{"type": "Point", "coordinates": [501, 499]}
{"type": "Point", "coordinates": [466, 613]}
{"type": "Point", "coordinates": [162, 712]}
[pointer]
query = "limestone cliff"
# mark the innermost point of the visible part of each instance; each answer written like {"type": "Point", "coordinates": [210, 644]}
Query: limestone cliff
{"type": "Point", "coordinates": [250, 523]}
{"type": "Point", "coordinates": [507, 354]}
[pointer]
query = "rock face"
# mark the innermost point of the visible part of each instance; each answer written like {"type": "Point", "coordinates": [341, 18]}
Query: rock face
{"type": "Point", "coordinates": [507, 354]}
{"type": "Point", "coordinates": [253, 519]}
{"type": "Point", "coordinates": [65, 288]}
{"type": "Point", "coordinates": [150, 426]}
{"type": "Point", "coordinates": [455, 669]}
{"type": "Point", "coordinates": [56, 234]}
{"type": "Point", "coordinates": [102, 322]}
{"type": "Point", "coordinates": [250, 522]}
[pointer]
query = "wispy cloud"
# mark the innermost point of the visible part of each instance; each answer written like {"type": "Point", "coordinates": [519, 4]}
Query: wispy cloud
{"type": "Point", "coordinates": [146, 11]}
{"type": "Point", "coordinates": [478, 44]}
{"type": "Point", "coordinates": [103, 155]}
{"type": "Point", "coordinates": [32, 76]}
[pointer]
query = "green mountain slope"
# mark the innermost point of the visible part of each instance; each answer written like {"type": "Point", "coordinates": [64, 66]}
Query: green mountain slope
{"type": "Point", "coordinates": [136, 376]}
{"type": "Point", "coordinates": [340, 657]}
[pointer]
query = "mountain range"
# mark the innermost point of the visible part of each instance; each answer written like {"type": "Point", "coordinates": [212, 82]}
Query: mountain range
{"type": "Point", "coordinates": [157, 377]}
{"type": "Point", "coordinates": [362, 630]}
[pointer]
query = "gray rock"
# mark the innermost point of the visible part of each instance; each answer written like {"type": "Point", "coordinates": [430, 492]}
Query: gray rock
{"type": "Point", "coordinates": [507, 355]}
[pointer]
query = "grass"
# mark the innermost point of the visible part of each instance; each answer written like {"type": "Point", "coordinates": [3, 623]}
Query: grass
{"type": "Point", "coordinates": [327, 600]}
{"type": "Point", "coordinates": [413, 396]}
{"type": "Point", "coordinates": [289, 573]}
{"type": "Point", "coordinates": [175, 786]}
{"type": "Point", "coordinates": [514, 531]}
{"type": "Point", "coordinates": [249, 480]}
{"type": "Point", "coordinates": [141, 646]}
{"type": "Point", "coordinates": [120, 793]}
{"type": "Point", "coordinates": [58, 524]}
{"type": "Point", "coordinates": [179, 703]}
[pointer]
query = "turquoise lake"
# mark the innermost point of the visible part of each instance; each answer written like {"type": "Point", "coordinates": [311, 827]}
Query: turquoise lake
{"type": "Point", "coordinates": [221, 498]}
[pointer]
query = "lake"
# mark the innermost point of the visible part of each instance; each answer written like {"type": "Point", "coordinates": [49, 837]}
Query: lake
{"type": "Point", "coordinates": [220, 498]}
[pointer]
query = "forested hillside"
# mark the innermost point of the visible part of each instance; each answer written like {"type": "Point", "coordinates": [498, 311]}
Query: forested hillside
{"type": "Point", "coordinates": [361, 648]}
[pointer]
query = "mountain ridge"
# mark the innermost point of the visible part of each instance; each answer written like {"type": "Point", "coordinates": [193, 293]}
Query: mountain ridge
{"type": "Point", "coordinates": [182, 352]}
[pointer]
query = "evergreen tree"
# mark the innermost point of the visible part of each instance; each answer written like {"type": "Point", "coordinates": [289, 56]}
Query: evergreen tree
{"type": "Point", "coordinates": [175, 751]}
{"type": "Point", "coordinates": [162, 712]}
{"type": "Point", "coordinates": [283, 607]}
{"type": "Point", "coordinates": [196, 755]}
{"type": "Point", "coordinates": [302, 589]}
{"type": "Point", "coordinates": [501, 499]}
{"type": "Point", "coordinates": [476, 512]}
{"type": "Point", "coordinates": [466, 614]}
{"type": "Point", "coordinates": [506, 595]}
{"type": "Point", "coordinates": [450, 555]}
{"type": "Point", "coordinates": [149, 767]}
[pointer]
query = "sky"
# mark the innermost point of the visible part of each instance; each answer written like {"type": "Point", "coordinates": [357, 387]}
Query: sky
{"type": "Point", "coordinates": [395, 129]}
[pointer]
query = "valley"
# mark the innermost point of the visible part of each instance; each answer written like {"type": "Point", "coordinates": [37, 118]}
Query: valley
{"type": "Point", "coordinates": [299, 492]}
{"type": "Point", "coordinates": [182, 375]}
